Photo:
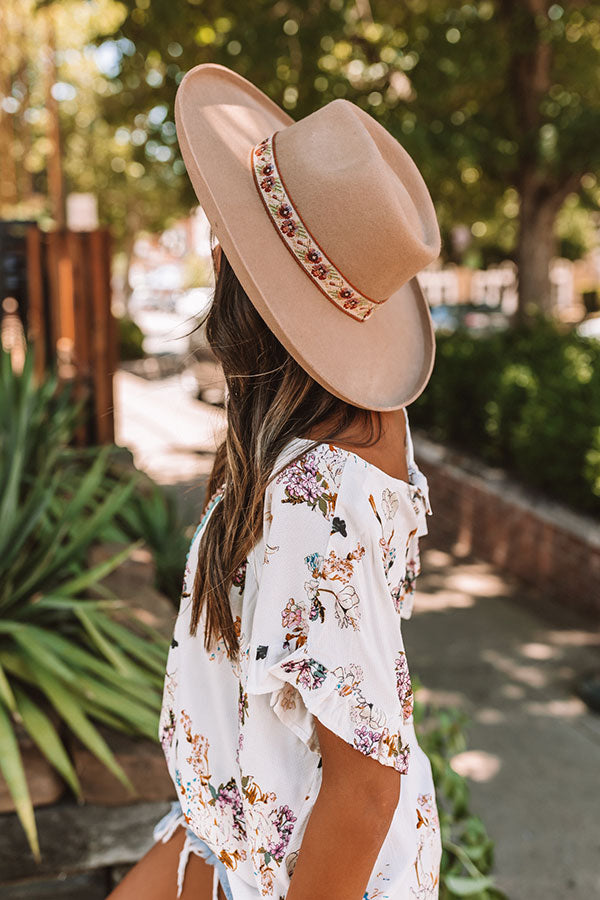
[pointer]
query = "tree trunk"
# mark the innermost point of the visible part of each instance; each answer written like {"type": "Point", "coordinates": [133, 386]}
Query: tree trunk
{"type": "Point", "coordinates": [541, 201]}
{"type": "Point", "coordinates": [56, 187]}
{"type": "Point", "coordinates": [536, 246]}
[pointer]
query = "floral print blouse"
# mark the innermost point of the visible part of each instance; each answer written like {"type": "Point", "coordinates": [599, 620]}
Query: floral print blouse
{"type": "Point", "coordinates": [317, 607]}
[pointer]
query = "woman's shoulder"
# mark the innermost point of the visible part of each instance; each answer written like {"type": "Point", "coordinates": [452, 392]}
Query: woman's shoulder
{"type": "Point", "coordinates": [308, 476]}
{"type": "Point", "coordinates": [324, 483]}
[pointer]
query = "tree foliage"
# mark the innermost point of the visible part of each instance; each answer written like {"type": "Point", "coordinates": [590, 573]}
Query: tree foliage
{"type": "Point", "coordinates": [497, 100]}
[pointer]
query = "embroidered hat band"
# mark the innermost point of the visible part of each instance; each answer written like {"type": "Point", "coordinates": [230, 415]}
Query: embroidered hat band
{"type": "Point", "coordinates": [299, 241]}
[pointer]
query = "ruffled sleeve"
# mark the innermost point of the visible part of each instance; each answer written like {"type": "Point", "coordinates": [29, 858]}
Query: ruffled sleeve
{"type": "Point", "coordinates": [326, 638]}
{"type": "Point", "coordinates": [418, 480]}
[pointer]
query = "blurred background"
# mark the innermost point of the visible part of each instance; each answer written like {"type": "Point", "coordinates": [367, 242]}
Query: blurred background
{"type": "Point", "coordinates": [111, 407]}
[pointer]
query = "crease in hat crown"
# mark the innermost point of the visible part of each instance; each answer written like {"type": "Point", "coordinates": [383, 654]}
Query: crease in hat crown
{"type": "Point", "coordinates": [361, 197]}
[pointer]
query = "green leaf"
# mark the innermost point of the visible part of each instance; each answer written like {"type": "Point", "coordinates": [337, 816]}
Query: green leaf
{"type": "Point", "coordinates": [6, 694]}
{"type": "Point", "coordinates": [463, 886]}
{"type": "Point", "coordinates": [57, 558]}
{"type": "Point", "coordinates": [97, 573]}
{"type": "Point", "coordinates": [57, 602]}
{"type": "Point", "coordinates": [69, 708]}
{"type": "Point", "coordinates": [113, 655]}
{"type": "Point", "coordinates": [140, 708]}
{"type": "Point", "coordinates": [148, 653]}
{"type": "Point", "coordinates": [43, 733]}
{"type": "Point", "coordinates": [119, 705]}
{"type": "Point", "coordinates": [30, 513]}
{"type": "Point", "coordinates": [11, 766]}
{"type": "Point", "coordinates": [32, 648]}
{"type": "Point", "coordinates": [138, 684]}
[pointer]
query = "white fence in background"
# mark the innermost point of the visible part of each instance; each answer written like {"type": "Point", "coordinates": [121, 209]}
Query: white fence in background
{"type": "Point", "coordinates": [495, 287]}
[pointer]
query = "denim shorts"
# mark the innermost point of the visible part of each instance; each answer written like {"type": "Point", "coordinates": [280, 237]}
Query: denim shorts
{"type": "Point", "coordinates": [165, 829]}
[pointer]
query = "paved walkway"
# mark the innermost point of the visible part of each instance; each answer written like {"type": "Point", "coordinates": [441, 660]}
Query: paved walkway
{"type": "Point", "coordinates": [509, 658]}
{"type": "Point", "coordinates": [477, 639]}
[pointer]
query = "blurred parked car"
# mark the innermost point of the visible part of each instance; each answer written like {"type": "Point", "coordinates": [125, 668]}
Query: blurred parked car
{"type": "Point", "coordinates": [445, 317]}
{"type": "Point", "coordinates": [194, 302]}
{"type": "Point", "coordinates": [169, 319]}
{"type": "Point", "coordinates": [590, 327]}
{"type": "Point", "coordinates": [476, 317]}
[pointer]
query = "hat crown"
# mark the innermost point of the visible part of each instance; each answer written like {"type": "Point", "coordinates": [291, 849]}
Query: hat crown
{"type": "Point", "coordinates": [360, 195]}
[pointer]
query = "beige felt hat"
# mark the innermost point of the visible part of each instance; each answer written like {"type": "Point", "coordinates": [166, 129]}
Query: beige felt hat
{"type": "Point", "coordinates": [326, 222]}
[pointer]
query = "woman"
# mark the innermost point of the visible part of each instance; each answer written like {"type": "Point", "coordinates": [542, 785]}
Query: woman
{"type": "Point", "coordinates": [287, 717]}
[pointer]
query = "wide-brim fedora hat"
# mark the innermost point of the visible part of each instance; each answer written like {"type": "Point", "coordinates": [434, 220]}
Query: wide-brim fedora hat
{"type": "Point", "coordinates": [326, 222]}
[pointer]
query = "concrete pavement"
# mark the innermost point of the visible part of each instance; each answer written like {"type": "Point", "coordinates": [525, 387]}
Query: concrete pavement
{"type": "Point", "coordinates": [533, 757]}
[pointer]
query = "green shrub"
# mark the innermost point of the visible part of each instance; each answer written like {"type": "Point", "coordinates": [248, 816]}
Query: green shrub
{"type": "Point", "coordinates": [526, 399]}
{"type": "Point", "coordinates": [153, 514]}
{"type": "Point", "coordinates": [131, 339]}
{"type": "Point", "coordinates": [66, 644]}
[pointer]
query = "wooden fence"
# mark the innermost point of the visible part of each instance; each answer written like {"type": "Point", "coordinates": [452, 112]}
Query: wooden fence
{"type": "Point", "coordinates": [61, 281]}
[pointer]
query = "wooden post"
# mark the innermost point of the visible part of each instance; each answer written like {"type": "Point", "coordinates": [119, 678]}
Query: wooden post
{"type": "Point", "coordinates": [78, 252]}
{"type": "Point", "coordinates": [103, 355]}
{"type": "Point", "coordinates": [35, 300]}
{"type": "Point", "coordinates": [70, 322]}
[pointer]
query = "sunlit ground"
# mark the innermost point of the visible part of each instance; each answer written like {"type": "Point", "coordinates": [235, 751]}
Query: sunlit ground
{"type": "Point", "coordinates": [510, 658]}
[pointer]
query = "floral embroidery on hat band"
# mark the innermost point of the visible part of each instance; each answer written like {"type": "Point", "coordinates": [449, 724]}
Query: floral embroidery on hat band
{"type": "Point", "coordinates": [298, 239]}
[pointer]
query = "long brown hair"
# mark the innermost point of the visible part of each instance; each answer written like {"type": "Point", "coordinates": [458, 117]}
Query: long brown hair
{"type": "Point", "coordinates": [271, 399]}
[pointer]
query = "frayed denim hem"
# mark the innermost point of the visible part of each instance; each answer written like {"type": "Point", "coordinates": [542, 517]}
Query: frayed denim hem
{"type": "Point", "coordinates": [164, 831]}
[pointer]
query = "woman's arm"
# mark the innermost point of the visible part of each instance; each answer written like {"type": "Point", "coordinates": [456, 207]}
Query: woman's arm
{"type": "Point", "coordinates": [348, 823]}
{"type": "Point", "coordinates": [154, 877]}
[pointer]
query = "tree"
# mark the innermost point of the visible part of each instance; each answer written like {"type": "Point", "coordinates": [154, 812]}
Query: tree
{"type": "Point", "coordinates": [497, 100]}
{"type": "Point", "coordinates": [519, 109]}
{"type": "Point", "coordinates": [553, 86]}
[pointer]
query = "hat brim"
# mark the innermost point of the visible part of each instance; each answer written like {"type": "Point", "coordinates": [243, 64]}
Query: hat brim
{"type": "Point", "coordinates": [382, 363]}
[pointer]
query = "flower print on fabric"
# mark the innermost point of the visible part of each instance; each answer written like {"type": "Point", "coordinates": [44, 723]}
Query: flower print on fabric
{"type": "Point", "coordinates": [216, 813]}
{"type": "Point", "coordinates": [232, 817]}
{"type": "Point", "coordinates": [338, 526]}
{"type": "Point", "coordinates": [347, 610]}
{"type": "Point", "coordinates": [404, 687]}
{"type": "Point", "coordinates": [390, 505]}
{"type": "Point", "coordinates": [289, 696]}
{"type": "Point", "coordinates": [166, 729]}
{"type": "Point", "coordinates": [403, 592]}
{"type": "Point", "coordinates": [219, 651]}
{"type": "Point", "coordinates": [330, 569]}
{"type": "Point", "coordinates": [269, 552]}
{"type": "Point", "coordinates": [242, 705]}
{"type": "Point", "coordinates": [270, 827]}
{"type": "Point", "coordinates": [239, 579]}
{"type": "Point", "coordinates": [293, 618]}
{"type": "Point", "coordinates": [372, 735]}
{"type": "Point", "coordinates": [429, 849]}
{"type": "Point", "coordinates": [310, 673]}
{"type": "Point", "coordinates": [307, 481]}
{"type": "Point", "coordinates": [341, 568]}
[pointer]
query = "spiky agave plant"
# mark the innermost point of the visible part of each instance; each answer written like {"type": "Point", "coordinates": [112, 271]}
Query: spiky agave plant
{"type": "Point", "coordinates": [62, 648]}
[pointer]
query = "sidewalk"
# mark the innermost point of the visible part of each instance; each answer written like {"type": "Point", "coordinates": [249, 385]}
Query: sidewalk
{"type": "Point", "coordinates": [477, 639]}
{"type": "Point", "coordinates": [481, 641]}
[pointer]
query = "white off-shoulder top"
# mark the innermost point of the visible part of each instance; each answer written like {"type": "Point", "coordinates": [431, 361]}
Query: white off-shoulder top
{"type": "Point", "coordinates": [318, 608]}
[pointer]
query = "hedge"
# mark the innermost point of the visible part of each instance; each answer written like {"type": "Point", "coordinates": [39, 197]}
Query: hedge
{"type": "Point", "coordinates": [526, 399]}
